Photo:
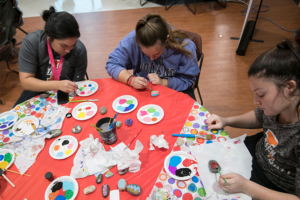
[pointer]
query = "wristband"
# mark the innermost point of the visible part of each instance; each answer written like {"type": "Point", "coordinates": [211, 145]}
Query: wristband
{"type": "Point", "coordinates": [129, 79]}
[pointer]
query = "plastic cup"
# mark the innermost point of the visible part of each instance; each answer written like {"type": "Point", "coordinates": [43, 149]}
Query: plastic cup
{"type": "Point", "coordinates": [109, 136]}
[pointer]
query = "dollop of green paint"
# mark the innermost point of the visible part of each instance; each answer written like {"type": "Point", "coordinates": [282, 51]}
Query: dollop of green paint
{"type": "Point", "coordinates": [69, 194]}
{"type": "Point", "coordinates": [129, 102]}
{"type": "Point", "coordinates": [8, 157]}
{"type": "Point", "coordinates": [151, 110]}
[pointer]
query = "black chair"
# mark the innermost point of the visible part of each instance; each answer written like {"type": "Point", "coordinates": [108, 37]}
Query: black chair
{"type": "Point", "coordinates": [196, 38]}
{"type": "Point", "coordinates": [20, 22]}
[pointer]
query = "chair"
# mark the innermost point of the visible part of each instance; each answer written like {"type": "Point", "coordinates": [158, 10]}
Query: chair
{"type": "Point", "coordinates": [20, 22]}
{"type": "Point", "coordinates": [196, 38]}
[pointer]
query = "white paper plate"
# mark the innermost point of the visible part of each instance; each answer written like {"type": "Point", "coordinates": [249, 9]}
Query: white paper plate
{"type": "Point", "coordinates": [125, 104]}
{"type": "Point", "coordinates": [23, 126]}
{"type": "Point", "coordinates": [7, 119]}
{"type": "Point", "coordinates": [177, 156]}
{"type": "Point", "coordinates": [88, 88]}
{"type": "Point", "coordinates": [4, 159]}
{"type": "Point", "coordinates": [63, 147]}
{"type": "Point", "coordinates": [67, 182]}
{"type": "Point", "coordinates": [150, 114]}
{"type": "Point", "coordinates": [84, 111]}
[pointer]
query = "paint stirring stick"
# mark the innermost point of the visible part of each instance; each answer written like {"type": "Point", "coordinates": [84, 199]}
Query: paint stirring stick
{"type": "Point", "coordinates": [97, 128]}
{"type": "Point", "coordinates": [16, 172]}
{"type": "Point", "coordinates": [2, 174]}
{"type": "Point", "coordinates": [132, 140]}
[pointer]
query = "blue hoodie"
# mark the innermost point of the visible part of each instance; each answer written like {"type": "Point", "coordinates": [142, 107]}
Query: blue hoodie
{"type": "Point", "coordinates": [179, 69]}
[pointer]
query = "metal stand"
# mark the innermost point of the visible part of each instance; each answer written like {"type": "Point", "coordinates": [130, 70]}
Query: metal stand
{"type": "Point", "coordinates": [187, 5]}
{"type": "Point", "coordinates": [142, 4]}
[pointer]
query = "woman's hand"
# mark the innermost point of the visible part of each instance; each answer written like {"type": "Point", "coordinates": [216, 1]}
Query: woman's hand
{"type": "Point", "coordinates": [67, 86]}
{"type": "Point", "coordinates": [154, 79]}
{"type": "Point", "coordinates": [139, 82]}
{"type": "Point", "coordinates": [237, 183]}
{"type": "Point", "coordinates": [216, 122]}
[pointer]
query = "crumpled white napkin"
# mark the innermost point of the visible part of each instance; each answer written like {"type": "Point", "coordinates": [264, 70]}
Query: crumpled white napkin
{"type": "Point", "coordinates": [92, 158]}
{"type": "Point", "coordinates": [159, 141]}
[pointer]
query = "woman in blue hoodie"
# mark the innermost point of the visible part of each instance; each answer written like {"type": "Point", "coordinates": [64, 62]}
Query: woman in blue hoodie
{"type": "Point", "coordinates": [156, 52]}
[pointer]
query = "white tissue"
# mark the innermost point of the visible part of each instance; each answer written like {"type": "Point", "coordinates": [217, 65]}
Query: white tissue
{"type": "Point", "coordinates": [159, 141]}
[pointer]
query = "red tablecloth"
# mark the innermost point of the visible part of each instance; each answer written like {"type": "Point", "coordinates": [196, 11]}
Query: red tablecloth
{"type": "Point", "coordinates": [176, 108]}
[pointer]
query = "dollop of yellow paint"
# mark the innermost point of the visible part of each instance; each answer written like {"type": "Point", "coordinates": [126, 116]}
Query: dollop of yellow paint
{"type": "Point", "coordinates": [68, 152]}
{"type": "Point", "coordinates": [3, 164]}
{"type": "Point", "coordinates": [81, 115]}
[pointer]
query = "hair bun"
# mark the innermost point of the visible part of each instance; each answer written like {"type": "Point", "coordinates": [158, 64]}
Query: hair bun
{"type": "Point", "coordinates": [284, 45]}
{"type": "Point", "coordinates": [47, 13]}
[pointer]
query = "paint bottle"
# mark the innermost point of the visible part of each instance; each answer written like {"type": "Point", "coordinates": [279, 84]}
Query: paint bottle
{"type": "Point", "coordinates": [109, 136]}
{"type": "Point", "coordinates": [49, 176]}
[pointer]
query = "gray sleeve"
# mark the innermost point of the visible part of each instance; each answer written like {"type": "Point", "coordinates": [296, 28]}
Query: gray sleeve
{"type": "Point", "coordinates": [259, 114]}
{"type": "Point", "coordinates": [81, 62]}
{"type": "Point", "coordinates": [28, 55]}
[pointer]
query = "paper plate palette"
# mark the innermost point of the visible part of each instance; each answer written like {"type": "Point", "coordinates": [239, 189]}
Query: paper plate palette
{"type": "Point", "coordinates": [84, 111]}
{"type": "Point", "coordinates": [180, 165]}
{"type": "Point", "coordinates": [24, 127]}
{"type": "Point", "coordinates": [64, 187]}
{"type": "Point", "coordinates": [125, 104]}
{"type": "Point", "coordinates": [7, 157]}
{"type": "Point", "coordinates": [150, 114]}
{"type": "Point", "coordinates": [87, 88]}
{"type": "Point", "coordinates": [7, 119]}
{"type": "Point", "coordinates": [63, 147]}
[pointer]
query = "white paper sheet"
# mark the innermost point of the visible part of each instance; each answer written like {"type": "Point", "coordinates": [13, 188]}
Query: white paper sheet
{"type": "Point", "coordinates": [233, 157]}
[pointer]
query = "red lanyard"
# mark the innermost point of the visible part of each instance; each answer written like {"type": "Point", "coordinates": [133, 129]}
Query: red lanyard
{"type": "Point", "coordinates": [56, 73]}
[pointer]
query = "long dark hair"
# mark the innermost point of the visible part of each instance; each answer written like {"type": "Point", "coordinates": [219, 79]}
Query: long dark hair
{"type": "Point", "coordinates": [60, 25]}
{"type": "Point", "coordinates": [279, 64]}
{"type": "Point", "coordinates": [154, 27]}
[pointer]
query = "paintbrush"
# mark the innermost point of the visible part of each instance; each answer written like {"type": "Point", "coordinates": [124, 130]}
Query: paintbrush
{"type": "Point", "coordinates": [16, 172]}
{"type": "Point", "coordinates": [112, 123]}
{"type": "Point", "coordinates": [2, 174]}
{"type": "Point", "coordinates": [205, 137]}
{"type": "Point", "coordinates": [74, 82]}
{"type": "Point", "coordinates": [147, 83]}
{"type": "Point", "coordinates": [223, 178]}
{"type": "Point", "coordinates": [84, 100]}
{"type": "Point", "coordinates": [97, 128]}
{"type": "Point", "coordinates": [132, 140]}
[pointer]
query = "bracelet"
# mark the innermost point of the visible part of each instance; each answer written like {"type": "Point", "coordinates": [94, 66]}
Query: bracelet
{"type": "Point", "coordinates": [129, 79]}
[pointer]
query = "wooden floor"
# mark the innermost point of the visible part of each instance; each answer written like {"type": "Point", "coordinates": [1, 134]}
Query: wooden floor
{"type": "Point", "coordinates": [223, 81]}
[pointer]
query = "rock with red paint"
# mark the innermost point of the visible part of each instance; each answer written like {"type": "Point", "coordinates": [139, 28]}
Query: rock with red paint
{"type": "Point", "coordinates": [134, 189]}
{"type": "Point", "coordinates": [188, 162]}
{"type": "Point", "coordinates": [105, 190]}
{"type": "Point", "coordinates": [214, 166]}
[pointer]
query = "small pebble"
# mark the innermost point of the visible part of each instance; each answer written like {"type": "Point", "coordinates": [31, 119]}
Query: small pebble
{"type": "Point", "coordinates": [134, 189]}
{"type": "Point", "coordinates": [54, 133]}
{"type": "Point", "coordinates": [122, 184]}
{"type": "Point", "coordinates": [89, 189]}
{"type": "Point", "coordinates": [72, 94]}
{"type": "Point", "coordinates": [68, 115]}
{"type": "Point", "coordinates": [49, 176]}
{"type": "Point", "coordinates": [76, 129]}
{"type": "Point", "coordinates": [105, 190]}
{"type": "Point", "coordinates": [128, 122]}
{"type": "Point", "coordinates": [118, 124]}
{"type": "Point", "coordinates": [108, 174]}
{"type": "Point", "coordinates": [44, 95]}
{"type": "Point", "coordinates": [179, 141]}
{"type": "Point", "coordinates": [122, 171]}
{"type": "Point", "coordinates": [99, 178]}
{"type": "Point", "coordinates": [27, 104]}
{"type": "Point", "coordinates": [189, 143]}
{"type": "Point", "coordinates": [103, 110]}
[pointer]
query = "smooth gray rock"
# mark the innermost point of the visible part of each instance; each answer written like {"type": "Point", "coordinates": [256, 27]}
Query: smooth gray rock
{"type": "Point", "coordinates": [76, 129]}
{"type": "Point", "coordinates": [54, 133]}
{"type": "Point", "coordinates": [103, 110]}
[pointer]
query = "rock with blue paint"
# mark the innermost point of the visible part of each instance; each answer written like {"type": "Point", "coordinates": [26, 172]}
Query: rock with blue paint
{"type": "Point", "coordinates": [118, 124]}
{"type": "Point", "coordinates": [89, 189]}
{"type": "Point", "coordinates": [192, 187]}
{"type": "Point", "coordinates": [99, 178]}
{"type": "Point", "coordinates": [105, 190]}
{"type": "Point", "coordinates": [122, 184]}
{"type": "Point", "coordinates": [134, 189]}
{"type": "Point", "coordinates": [128, 122]}
{"type": "Point", "coordinates": [154, 93]}
{"type": "Point", "coordinates": [108, 174]}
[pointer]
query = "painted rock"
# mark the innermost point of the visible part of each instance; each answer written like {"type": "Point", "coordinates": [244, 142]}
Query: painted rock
{"type": "Point", "coordinates": [154, 93]}
{"type": "Point", "coordinates": [192, 187]}
{"type": "Point", "coordinates": [214, 166]}
{"type": "Point", "coordinates": [44, 103]}
{"type": "Point", "coordinates": [44, 95]}
{"type": "Point", "coordinates": [118, 124]}
{"type": "Point", "coordinates": [103, 110]}
{"type": "Point", "coordinates": [122, 171]}
{"type": "Point", "coordinates": [99, 178]}
{"type": "Point", "coordinates": [89, 189]}
{"type": "Point", "coordinates": [27, 104]}
{"type": "Point", "coordinates": [68, 115]}
{"type": "Point", "coordinates": [122, 184]}
{"type": "Point", "coordinates": [54, 133]}
{"type": "Point", "coordinates": [76, 129]}
{"type": "Point", "coordinates": [108, 174]}
{"type": "Point", "coordinates": [179, 142]}
{"type": "Point", "coordinates": [128, 122]}
{"type": "Point", "coordinates": [189, 143]}
{"type": "Point", "coordinates": [72, 94]}
{"type": "Point", "coordinates": [105, 190]}
{"type": "Point", "coordinates": [134, 189]}
{"type": "Point", "coordinates": [49, 176]}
